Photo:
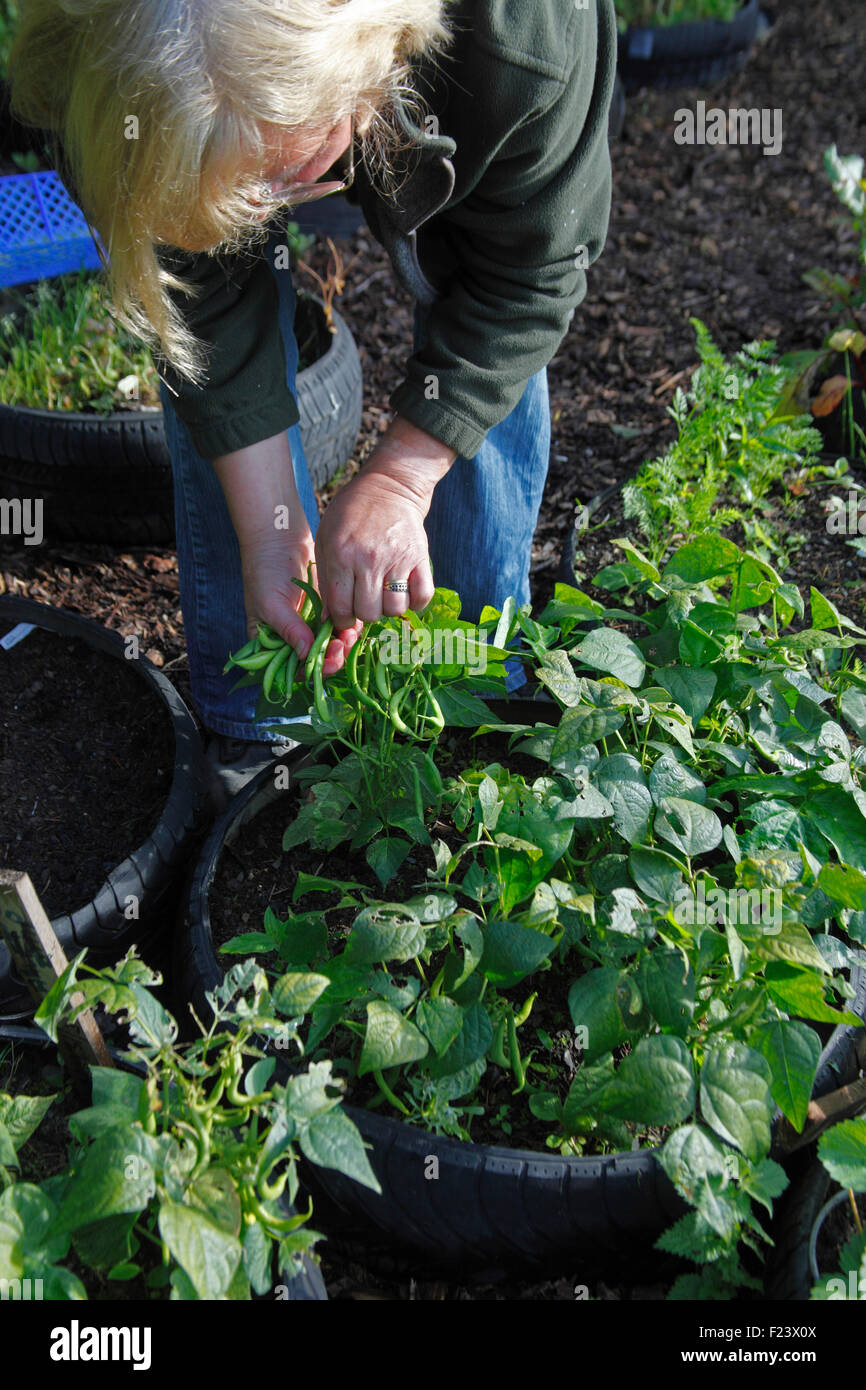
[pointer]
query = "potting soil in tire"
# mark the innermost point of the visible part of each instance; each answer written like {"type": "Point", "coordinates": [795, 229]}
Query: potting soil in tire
{"type": "Point", "coordinates": [86, 756]}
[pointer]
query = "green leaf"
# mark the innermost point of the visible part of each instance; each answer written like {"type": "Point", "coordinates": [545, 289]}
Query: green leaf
{"type": "Point", "coordinates": [557, 673]}
{"type": "Point", "coordinates": [842, 1151]}
{"type": "Point", "coordinates": [764, 1183]}
{"type": "Point", "coordinates": [811, 639]}
{"type": "Point", "coordinates": [390, 1041]}
{"type": "Point", "coordinates": [207, 1254]}
{"type": "Point", "coordinates": [115, 1176]}
{"type": "Point", "coordinates": [152, 1025]}
{"type": "Point", "coordinates": [440, 1020]}
{"type": "Point", "coordinates": [581, 726]}
{"type": "Point", "coordinates": [802, 992]}
{"type": "Point", "coordinates": [792, 1050]}
{"type": "Point", "coordinates": [691, 687]}
{"type": "Point", "coordinates": [469, 1046]}
{"type": "Point", "coordinates": [670, 777]}
{"type": "Point", "coordinates": [511, 952]}
{"type": "Point", "coordinates": [844, 885]}
{"type": "Point", "coordinates": [294, 994]}
{"type": "Point", "coordinates": [735, 1097]}
{"type": "Point", "coordinates": [333, 1141]}
{"type": "Point", "coordinates": [21, 1116]}
{"type": "Point", "coordinates": [655, 1084]}
{"type": "Point", "coordinates": [30, 1238]}
{"type": "Point", "coordinates": [687, 825]}
{"type": "Point", "coordinates": [386, 855]}
{"type": "Point", "coordinates": [257, 1257]}
{"type": "Point", "coordinates": [607, 1008]}
{"type": "Point", "coordinates": [703, 559]}
{"type": "Point", "coordinates": [302, 941]}
{"type": "Point", "coordinates": [853, 707]}
{"type": "Point", "coordinates": [657, 874]}
{"type": "Point", "coordinates": [460, 709]}
{"type": "Point", "coordinates": [385, 931]}
{"type": "Point", "coordinates": [607, 649]}
{"type": "Point", "coordinates": [105, 1243]}
{"type": "Point", "coordinates": [668, 986]}
{"type": "Point", "coordinates": [621, 779]}
{"type": "Point", "coordinates": [838, 817]}
{"type": "Point", "coordinates": [692, 1156]}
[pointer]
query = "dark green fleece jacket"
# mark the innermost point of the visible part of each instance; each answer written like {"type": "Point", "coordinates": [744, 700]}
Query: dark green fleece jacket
{"type": "Point", "coordinates": [503, 203]}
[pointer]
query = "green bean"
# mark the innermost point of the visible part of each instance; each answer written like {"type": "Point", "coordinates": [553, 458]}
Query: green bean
{"type": "Point", "coordinates": [319, 648]}
{"type": "Point", "coordinates": [285, 677]}
{"type": "Point", "coordinates": [279, 658]}
{"type": "Point", "coordinates": [514, 1051]}
{"type": "Point", "coordinates": [312, 597]}
{"type": "Point", "coordinates": [257, 661]}
{"type": "Point", "coordinates": [358, 690]}
{"type": "Point", "coordinates": [269, 638]}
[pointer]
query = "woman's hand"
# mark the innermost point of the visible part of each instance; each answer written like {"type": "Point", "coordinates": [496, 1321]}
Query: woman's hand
{"type": "Point", "coordinates": [268, 567]}
{"type": "Point", "coordinates": [373, 530]}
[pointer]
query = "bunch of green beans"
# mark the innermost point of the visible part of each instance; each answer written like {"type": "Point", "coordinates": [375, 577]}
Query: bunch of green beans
{"type": "Point", "coordinates": [409, 707]}
{"type": "Point", "coordinates": [278, 662]}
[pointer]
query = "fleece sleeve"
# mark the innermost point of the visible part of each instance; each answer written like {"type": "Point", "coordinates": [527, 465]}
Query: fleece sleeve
{"type": "Point", "coordinates": [245, 397]}
{"type": "Point", "coordinates": [519, 244]}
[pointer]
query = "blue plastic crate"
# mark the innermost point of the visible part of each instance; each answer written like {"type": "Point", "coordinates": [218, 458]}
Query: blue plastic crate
{"type": "Point", "coordinates": [42, 231]}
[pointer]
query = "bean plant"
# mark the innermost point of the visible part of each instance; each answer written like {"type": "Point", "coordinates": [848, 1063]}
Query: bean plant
{"type": "Point", "coordinates": [179, 1166]}
{"type": "Point", "coordinates": [635, 943]}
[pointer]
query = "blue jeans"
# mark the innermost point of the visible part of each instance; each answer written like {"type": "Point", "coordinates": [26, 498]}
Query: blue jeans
{"type": "Point", "coordinates": [480, 528]}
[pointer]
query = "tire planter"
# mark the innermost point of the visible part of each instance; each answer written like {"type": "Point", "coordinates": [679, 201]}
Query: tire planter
{"type": "Point", "coordinates": [491, 1206]}
{"type": "Point", "coordinates": [151, 872]}
{"type": "Point", "coordinates": [692, 54]}
{"type": "Point", "coordinates": [108, 477]}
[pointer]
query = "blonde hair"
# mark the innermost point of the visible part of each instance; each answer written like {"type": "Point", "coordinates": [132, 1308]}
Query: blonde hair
{"type": "Point", "coordinates": [158, 105]}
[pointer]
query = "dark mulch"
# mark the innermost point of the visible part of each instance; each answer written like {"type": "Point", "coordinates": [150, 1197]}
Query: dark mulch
{"type": "Point", "coordinates": [86, 758]}
{"type": "Point", "coordinates": [721, 233]}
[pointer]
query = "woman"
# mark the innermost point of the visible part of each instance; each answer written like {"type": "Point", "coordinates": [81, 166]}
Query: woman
{"type": "Point", "coordinates": [476, 136]}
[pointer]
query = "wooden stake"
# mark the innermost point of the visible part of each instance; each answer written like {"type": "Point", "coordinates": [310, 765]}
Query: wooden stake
{"type": "Point", "coordinates": [40, 960]}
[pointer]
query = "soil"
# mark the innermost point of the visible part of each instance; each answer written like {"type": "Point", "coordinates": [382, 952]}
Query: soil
{"type": "Point", "coordinates": [80, 794]}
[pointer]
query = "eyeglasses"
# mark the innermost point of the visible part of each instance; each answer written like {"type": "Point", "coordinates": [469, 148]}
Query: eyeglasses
{"type": "Point", "coordinates": [297, 193]}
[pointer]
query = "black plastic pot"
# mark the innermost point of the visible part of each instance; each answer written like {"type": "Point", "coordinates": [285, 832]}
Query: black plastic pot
{"type": "Point", "coordinates": [693, 54]}
{"type": "Point", "coordinates": [108, 477]}
{"type": "Point", "coordinates": [152, 872]}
